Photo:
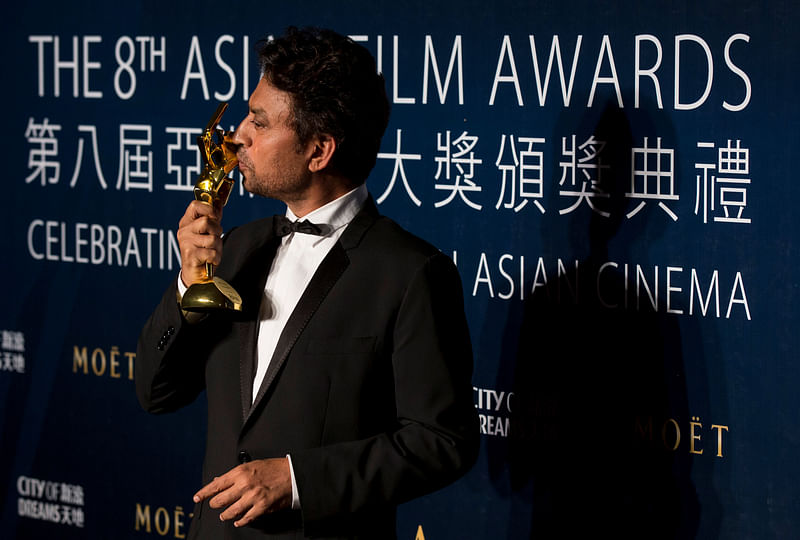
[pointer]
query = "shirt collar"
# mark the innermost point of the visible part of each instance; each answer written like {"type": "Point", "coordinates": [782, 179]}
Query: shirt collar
{"type": "Point", "coordinates": [337, 213]}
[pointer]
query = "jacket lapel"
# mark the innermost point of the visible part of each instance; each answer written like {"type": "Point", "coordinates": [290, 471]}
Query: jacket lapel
{"type": "Point", "coordinates": [326, 276]}
{"type": "Point", "coordinates": [250, 283]}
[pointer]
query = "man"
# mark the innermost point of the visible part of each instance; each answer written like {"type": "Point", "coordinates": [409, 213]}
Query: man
{"type": "Point", "coordinates": [344, 388]}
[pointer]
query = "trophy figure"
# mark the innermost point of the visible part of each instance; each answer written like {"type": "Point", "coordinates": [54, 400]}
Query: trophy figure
{"type": "Point", "coordinates": [213, 186]}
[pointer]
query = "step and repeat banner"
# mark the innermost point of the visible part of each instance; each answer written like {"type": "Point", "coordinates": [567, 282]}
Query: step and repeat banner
{"type": "Point", "coordinates": [614, 180]}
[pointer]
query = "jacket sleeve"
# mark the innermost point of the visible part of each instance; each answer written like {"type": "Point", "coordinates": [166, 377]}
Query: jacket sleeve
{"type": "Point", "coordinates": [169, 371]}
{"type": "Point", "coordinates": [435, 438]}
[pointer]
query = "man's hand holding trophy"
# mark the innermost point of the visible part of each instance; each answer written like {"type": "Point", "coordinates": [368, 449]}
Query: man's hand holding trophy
{"type": "Point", "coordinates": [213, 187]}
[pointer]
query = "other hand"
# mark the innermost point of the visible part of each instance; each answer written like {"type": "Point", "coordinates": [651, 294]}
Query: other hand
{"type": "Point", "coordinates": [250, 490]}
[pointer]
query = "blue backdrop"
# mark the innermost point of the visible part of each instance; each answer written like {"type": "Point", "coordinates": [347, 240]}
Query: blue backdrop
{"type": "Point", "coordinates": [614, 180]}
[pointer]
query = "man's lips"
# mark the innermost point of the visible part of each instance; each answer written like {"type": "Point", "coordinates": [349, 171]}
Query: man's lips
{"type": "Point", "coordinates": [244, 165]}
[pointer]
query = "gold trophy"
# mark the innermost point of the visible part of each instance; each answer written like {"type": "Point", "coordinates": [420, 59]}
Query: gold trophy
{"type": "Point", "coordinates": [213, 185]}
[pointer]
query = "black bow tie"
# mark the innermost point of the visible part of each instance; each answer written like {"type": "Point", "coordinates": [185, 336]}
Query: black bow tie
{"type": "Point", "coordinates": [283, 226]}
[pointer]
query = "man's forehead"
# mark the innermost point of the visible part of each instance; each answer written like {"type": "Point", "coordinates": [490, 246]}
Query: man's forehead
{"type": "Point", "coordinates": [268, 100]}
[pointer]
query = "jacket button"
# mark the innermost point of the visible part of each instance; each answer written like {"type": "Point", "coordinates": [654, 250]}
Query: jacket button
{"type": "Point", "coordinates": [244, 457]}
{"type": "Point", "coordinates": [170, 330]}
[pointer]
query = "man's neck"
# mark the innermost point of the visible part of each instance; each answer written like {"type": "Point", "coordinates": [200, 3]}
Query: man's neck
{"type": "Point", "coordinates": [320, 193]}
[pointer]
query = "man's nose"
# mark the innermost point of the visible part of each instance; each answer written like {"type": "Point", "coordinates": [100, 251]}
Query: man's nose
{"type": "Point", "coordinates": [231, 143]}
{"type": "Point", "coordinates": [238, 138]}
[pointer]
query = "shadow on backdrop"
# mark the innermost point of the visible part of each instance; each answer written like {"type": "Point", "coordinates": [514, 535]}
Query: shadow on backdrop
{"type": "Point", "coordinates": [599, 372]}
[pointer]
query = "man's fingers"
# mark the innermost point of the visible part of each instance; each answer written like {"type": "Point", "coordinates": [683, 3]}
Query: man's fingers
{"type": "Point", "coordinates": [199, 238]}
{"type": "Point", "coordinates": [255, 511]}
{"type": "Point", "coordinates": [198, 209]}
{"type": "Point", "coordinates": [202, 256]}
{"type": "Point", "coordinates": [189, 238]}
{"type": "Point", "coordinates": [225, 498]}
{"type": "Point", "coordinates": [250, 490]}
{"type": "Point", "coordinates": [212, 488]}
{"type": "Point", "coordinates": [203, 225]}
{"type": "Point", "coordinates": [241, 507]}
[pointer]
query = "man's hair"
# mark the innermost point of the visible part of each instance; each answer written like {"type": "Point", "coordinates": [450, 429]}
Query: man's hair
{"type": "Point", "coordinates": [335, 90]}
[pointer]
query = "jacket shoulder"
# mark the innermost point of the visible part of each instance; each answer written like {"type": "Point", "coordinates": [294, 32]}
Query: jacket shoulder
{"type": "Point", "coordinates": [387, 235]}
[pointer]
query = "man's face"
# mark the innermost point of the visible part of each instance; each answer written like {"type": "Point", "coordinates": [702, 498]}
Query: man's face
{"type": "Point", "coordinates": [271, 159]}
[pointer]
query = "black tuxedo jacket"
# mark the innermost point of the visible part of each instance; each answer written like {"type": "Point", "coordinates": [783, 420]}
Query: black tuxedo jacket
{"type": "Point", "coordinates": [369, 389]}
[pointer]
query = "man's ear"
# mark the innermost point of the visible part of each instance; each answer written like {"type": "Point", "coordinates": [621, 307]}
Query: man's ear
{"type": "Point", "coordinates": [322, 150]}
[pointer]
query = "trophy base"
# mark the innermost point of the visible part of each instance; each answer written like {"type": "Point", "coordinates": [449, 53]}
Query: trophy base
{"type": "Point", "coordinates": [213, 295]}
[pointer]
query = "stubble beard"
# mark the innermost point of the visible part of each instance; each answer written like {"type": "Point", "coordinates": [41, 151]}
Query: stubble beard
{"type": "Point", "coordinates": [287, 189]}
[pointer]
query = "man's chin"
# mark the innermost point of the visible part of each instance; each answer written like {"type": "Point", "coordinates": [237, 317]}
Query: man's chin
{"type": "Point", "coordinates": [246, 184]}
{"type": "Point", "coordinates": [254, 188]}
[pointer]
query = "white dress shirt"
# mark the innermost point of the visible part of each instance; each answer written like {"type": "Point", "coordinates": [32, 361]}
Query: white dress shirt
{"type": "Point", "coordinates": [295, 262]}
